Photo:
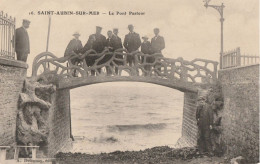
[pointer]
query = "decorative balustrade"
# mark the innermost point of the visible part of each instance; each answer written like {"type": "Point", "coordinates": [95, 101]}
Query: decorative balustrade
{"type": "Point", "coordinates": [115, 64]}
{"type": "Point", "coordinates": [7, 34]}
{"type": "Point", "coordinates": [235, 59]}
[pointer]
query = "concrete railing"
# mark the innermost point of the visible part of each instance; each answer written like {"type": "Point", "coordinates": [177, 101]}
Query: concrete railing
{"type": "Point", "coordinates": [112, 64]}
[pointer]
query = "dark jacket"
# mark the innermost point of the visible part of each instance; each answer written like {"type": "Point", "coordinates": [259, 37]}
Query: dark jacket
{"type": "Point", "coordinates": [117, 42]}
{"type": "Point", "coordinates": [22, 43]}
{"type": "Point", "coordinates": [99, 42]}
{"type": "Point", "coordinates": [114, 43]}
{"type": "Point", "coordinates": [157, 44]}
{"type": "Point", "coordinates": [74, 45]}
{"type": "Point", "coordinates": [204, 116]}
{"type": "Point", "coordinates": [146, 47]}
{"type": "Point", "coordinates": [110, 44]}
{"type": "Point", "coordinates": [132, 42]}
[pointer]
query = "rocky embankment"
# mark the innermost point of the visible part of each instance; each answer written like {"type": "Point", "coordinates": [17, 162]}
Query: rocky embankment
{"type": "Point", "coordinates": [163, 154]}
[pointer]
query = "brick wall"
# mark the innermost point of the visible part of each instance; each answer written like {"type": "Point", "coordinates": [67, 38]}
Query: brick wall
{"type": "Point", "coordinates": [12, 75]}
{"type": "Point", "coordinates": [59, 122]}
{"type": "Point", "coordinates": [189, 124]}
{"type": "Point", "coordinates": [240, 119]}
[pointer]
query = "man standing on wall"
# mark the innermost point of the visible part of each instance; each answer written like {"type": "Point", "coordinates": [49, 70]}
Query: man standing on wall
{"type": "Point", "coordinates": [204, 117]}
{"type": "Point", "coordinates": [132, 42]}
{"type": "Point", "coordinates": [22, 43]}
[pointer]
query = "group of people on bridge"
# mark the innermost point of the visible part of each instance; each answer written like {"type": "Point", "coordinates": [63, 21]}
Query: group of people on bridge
{"type": "Point", "coordinates": [98, 42]}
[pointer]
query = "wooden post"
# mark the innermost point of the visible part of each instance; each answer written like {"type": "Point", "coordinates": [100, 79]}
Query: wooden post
{"type": "Point", "coordinates": [16, 153]}
{"type": "Point", "coordinates": [34, 152]}
{"type": "Point", "coordinates": [48, 36]}
{"type": "Point", "coordinates": [238, 57]}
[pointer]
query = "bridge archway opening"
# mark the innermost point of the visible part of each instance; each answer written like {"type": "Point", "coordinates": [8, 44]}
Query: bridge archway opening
{"type": "Point", "coordinates": [125, 116]}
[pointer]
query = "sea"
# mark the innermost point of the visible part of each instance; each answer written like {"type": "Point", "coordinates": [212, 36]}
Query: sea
{"type": "Point", "coordinates": [125, 116]}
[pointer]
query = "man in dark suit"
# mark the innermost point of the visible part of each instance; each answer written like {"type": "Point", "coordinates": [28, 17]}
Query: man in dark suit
{"type": "Point", "coordinates": [22, 43]}
{"type": "Point", "coordinates": [132, 43]}
{"type": "Point", "coordinates": [204, 117]}
{"type": "Point", "coordinates": [117, 45]}
{"type": "Point", "coordinates": [146, 49]}
{"type": "Point", "coordinates": [99, 40]}
{"type": "Point", "coordinates": [117, 40]}
{"type": "Point", "coordinates": [74, 47]}
{"type": "Point", "coordinates": [96, 42]}
{"type": "Point", "coordinates": [110, 45]}
{"type": "Point", "coordinates": [157, 42]}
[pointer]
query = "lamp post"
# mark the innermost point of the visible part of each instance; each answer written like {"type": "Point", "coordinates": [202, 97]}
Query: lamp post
{"type": "Point", "coordinates": [220, 10]}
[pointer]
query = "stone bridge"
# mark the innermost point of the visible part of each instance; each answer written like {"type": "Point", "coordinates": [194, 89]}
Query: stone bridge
{"type": "Point", "coordinates": [112, 66]}
{"type": "Point", "coordinates": [190, 77]}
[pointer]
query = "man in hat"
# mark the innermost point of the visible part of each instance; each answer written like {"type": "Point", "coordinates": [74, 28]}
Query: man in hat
{"type": "Point", "coordinates": [22, 43]}
{"type": "Point", "coordinates": [96, 42]}
{"type": "Point", "coordinates": [117, 40]}
{"type": "Point", "coordinates": [132, 42]}
{"type": "Point", "coordinates": [157, 42]}
{"type": "Point", "coordinates": [117, 45]}
{"type": "Point", "coordinates": [146, 45]}
{"type": "Point", "coordinates": [146, 49]}
{"type": "Point", "coordinates": [74, 47]}
{"type": "Point", "coordinates": [204, 117]}
{"type": "Point", "coordinates": [99, 43]}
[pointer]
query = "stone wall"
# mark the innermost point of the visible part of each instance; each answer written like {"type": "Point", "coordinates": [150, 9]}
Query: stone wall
{"type": "Point", "coordinates": [189, 123]}
{"type": "Point", "coordinates": [59, 123]}
{"type": "Point", "coordinates": [12, 75]}
{"type": "Point", "coordinates": [240, 121]}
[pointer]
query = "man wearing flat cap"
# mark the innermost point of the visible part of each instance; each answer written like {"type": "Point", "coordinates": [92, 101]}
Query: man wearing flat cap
{"type": "Point", "coordinates": [117, 45]}
{"type": "Point", "coordinates": [22, 43]}
{"type": "Point", "coordinates": [99, 43]}
{"type": "Point", "coordinates": [96, 42]}
{"type": "Point", "coordinates": [132, 43]}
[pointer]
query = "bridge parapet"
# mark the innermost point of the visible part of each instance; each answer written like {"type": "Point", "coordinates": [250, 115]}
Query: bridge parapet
{"type": "Point", "coordinates": [114, 64]}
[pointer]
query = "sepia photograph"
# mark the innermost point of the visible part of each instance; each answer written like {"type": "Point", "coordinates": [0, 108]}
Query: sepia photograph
{"type": "Point", "coordinates": [129, 82]}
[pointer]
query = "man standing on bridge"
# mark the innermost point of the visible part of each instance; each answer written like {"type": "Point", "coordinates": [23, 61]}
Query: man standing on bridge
{"type": "Point", "coordinates": [204, 117]}
{"type": "Point", "coordinates": [96, 42]}
{"type": "Point", "coordinates": [157, 42]}
{"type": "Point", "coordinates": [132, 43]}
{"type": "Point", "coordinates": [22, 43]}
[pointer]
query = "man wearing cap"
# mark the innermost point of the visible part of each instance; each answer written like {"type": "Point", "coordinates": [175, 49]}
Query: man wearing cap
{"type": "Point", "coordinates": [146, 49]}
{"type": "Point", "coordinates": [204, 117]}
{"type": "Point", "coordinates": [74, 47]}
{"type": "Point", "coordinates": [96, 42]}
{"type": "Point", "coordinates": [146, 45]}
{"type": "Point", "coordinates": [116, 39]}
{"type": "Point", "coordinates": [157, 42]}
{"type": "Point", "coordinates": [99, 43]}
{"type": "Point", "coordinates": [22, 43]}
{"type": "Point", "coordinates": [132, 42]}
{"type": "Point", "coordinates": [117, 45]}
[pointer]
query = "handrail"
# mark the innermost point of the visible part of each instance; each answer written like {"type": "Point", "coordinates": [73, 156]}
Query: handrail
{"type": "Point", "coordinates": [155, 65]}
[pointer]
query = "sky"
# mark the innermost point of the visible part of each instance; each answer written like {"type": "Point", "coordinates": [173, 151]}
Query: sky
{"type": "Point", "coordinates": [190, 30]}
